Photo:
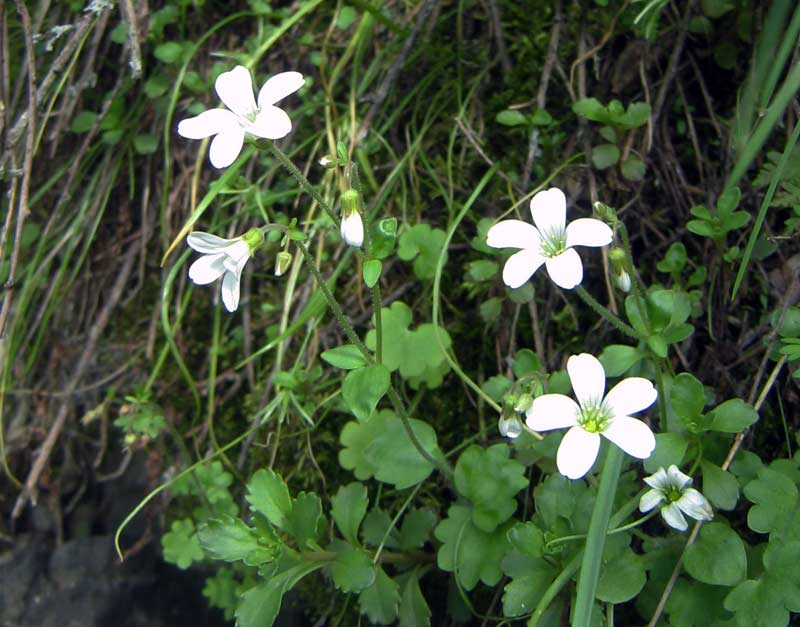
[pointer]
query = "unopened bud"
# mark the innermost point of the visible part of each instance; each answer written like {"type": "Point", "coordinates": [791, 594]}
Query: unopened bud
{"type": "Point", "coordinates": [605, 212]}
{"type": "Point", "coordinates": [524, 401]}
{"type": "Point", "coordinates": [282, 261]}
{"type": "Point", "coordinates": [328, 162]}
{"type": "Point", "coordinates": [623, 281]}
{"type": "Point", "coordinates": [353, 229]}
{"type": "Point", "coordinates": [510, 426]}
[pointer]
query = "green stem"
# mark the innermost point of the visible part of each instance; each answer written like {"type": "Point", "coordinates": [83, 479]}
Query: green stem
{"type": "Point", "coordinates": [662, 397]}
{"type": "Point", "coordinates": [394, 397]}
{"type": "Point", "coordinates": [303, 182]}
{"type": "Point", "coordinates": [605, 313]}
{"type": "Point", "coordinates": [552, 591]}
{"type": "Point", "coordinates": [596, 538]}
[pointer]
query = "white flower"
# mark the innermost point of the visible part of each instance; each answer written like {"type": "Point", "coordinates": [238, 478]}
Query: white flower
{"type": "Point", "coordinates": [671, 487]}
{"type": "Point", "coordinates": [353, 229]}
{"type": "Point", "coordinates": [224, 258]}
{"type": "Point", "coordinates": [593, 416]}
{"type": "Point", "coordinates": [550, 242]}
{"type": "Point", "coordinates": [623, 281]}
{"type": "Point", "coordinates": [235, 89]}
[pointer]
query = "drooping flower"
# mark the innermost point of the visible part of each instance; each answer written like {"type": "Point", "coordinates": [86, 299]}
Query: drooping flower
{"type": "Point", "coordinates": [670, 489]}
{"type": "Point", "coordinates": [243, 115]}
{"type": "Point", "coordinates": [594, 415]}
{"type": "Point", "coordinates": [550, 243]}
{"type": "Point", "coordinates": [352, 228]}
{"type": "Point", "coordinates": [224, 258]}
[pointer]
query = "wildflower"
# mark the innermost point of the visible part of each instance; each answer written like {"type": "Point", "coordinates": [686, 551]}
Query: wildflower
{"type": "Point", "coordinates": [352, 228]}
{"type": "Point", "coordinates": [671, 487]}
{"type": "Point", "coordinates": [224, 258]}
{"type": "Point", "coordinates": [623, 281]}
{"type": "Point", "coordinates": [243, 116]}
{"type": "Point", "coordinates": [593, 416]}
{"type": "Point", "coordinates": [282, 261]}
{"type": "Point", "coordinates": [550, 242]}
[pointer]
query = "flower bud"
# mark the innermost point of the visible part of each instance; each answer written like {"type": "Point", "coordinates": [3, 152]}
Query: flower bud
{"type": "Point", "coordinates": [623, 281]}
{"type": "Point", "coordinates": [282, 261]}
{"type": "Point", "coordinates": [510, 426]}
{"type": "Point", "coordinates": [605, 212]}
{"type": "Point", "coordinates": [523, 403]}
{"type": "Point", "coordinates": [328, 162]}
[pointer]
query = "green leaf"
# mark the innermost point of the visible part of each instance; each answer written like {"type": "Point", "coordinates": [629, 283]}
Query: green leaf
{"type": "Point", "coordinates": [363, 389]}
{"type": "Point", "coordinates": [473, 555]}
{"type": "Point", "coordinates": [347, 15]}
{"type": "Point", "coordinates": [541, 117]}
{"type": "Point", "coordinates": [636, 115]}
{"type": "Point", "coordinates": [633, 168]}
{"type": "Point", "coordinates": [490, 480]}
{"type": "Point", "coordinates": [604, 156]}
{"type": "Point", "coordinates": [305, 521]}
{"type": "Point", "coordinates": [230, 540]}
{"type": "Point", "coordinates": [482, 270]}
{"type": "Point", "coordinates": [717, 557]}
{"type": "Point", "coordinates": [181, 545]}
{"type": "Point", "coordinates": [352, 570]}
{"type": "Point", "coordinates": [511, 117]}
{"type": "Point", "coordinates": [422, 244]}
{"type": "Point", "coordinates": [670, 449]}
{"type": "Point", "coordinates": [728, 201]}
{"type": "Point", "coordinates": [732, 416]}
{"type": "Point", "coordinates": [384, 236]}
{"type": "Point", "coordinates": [378, 529]}
{"type": "Point", "coordinates": [260, 605]}
{"type": "Point", "coordinates": [346, 357]}
{"type": "Point", "coordinates": [145, 144]}
{"type": "Point", "coordinates": [168, 52]}
{"type": "Point", "coordinates": [348, 507]}
{"type": "Point", "coordinates": [528, 539]}
{"type": "Point", "coordinates": [414, 610]}
{"type": "Point", "coordinates": [719, 486]}
{"type": "Point", "coordinates": [621, 578]}
{"type": "Point", "coordinates": [83, 122]}
{"type": "Point", "coordinates": [416, 529]}
{"type": "Point", "coordinates": [591, 109]}
{"type": "Point", "coordinates": [525, 362]}
{"type": "Point", "coordinates": [268, 495]}
{"type": "Point", "coordinates": [674, 259]}
{"type": "Point", "coordinates": [380, 447]}
{"type": "Point", "coordinates": [694, 604]}
{"type": "Point", "coordinates": [617, 359]}
{"type": "Point", "coordinates": [688, 398]}
{"type": "Point", "coordinates": [372, 272]}
{"type": "Point", "coordinates": [774, 498]}
{"type": "Point", "coordinates": [380, 600]}
{"type": "Point", "coordinates": [521, 595]}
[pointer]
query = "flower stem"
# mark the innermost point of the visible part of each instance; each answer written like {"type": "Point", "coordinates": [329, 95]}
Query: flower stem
{"type": "Point", "coordinates": [637, 289]}
{"type": "Point", "coordinates": [303, 182]}
{"type": "Point", "coordinates": [554, 588]}
{"type": "Point", "coordinates": [605, 313]}
{"type": "Point", "coordinates": [394, 397]}
{"type": "Point", "coordinates": [596, 538]}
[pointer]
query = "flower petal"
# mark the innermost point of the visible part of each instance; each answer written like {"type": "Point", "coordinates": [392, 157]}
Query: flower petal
{"type": "Point", "coordinates": [513, 234]}
{"type": "Point", "coordinates": [632, 436]}
{"type": "Point", "coordinates": [521, 266]}
{"type": "Point", "coordinates": [650, 499]}
{"type": "Point", "coordinates": [588, 379]}
{"type": "Point", "coordinates": [225, 147]}
{"type": "Point", "coordinates": [658, 480]}
{"type": "Point", "coordinates": [588, 232]}
{"type": "Point", "coordinates": [577, 452]}
{"type": "Point", "coordinates": [630, 395]}
{"type": "Point", "coordinates": [207, 242]}
{"type": "Point", "coordinates": [230, 291]}
{"type": "Point", "coordinates": [549, 210]}
{"type": "Point", "coordinates": [235, 89]}
{"type": "Point", "coordinates": [271, 123]}
{"type": "Point", "coordinates": [673, 517]}
{"type": "Point", "coordinates": [206, 124]}
{"type": "Point", "coordinates": [552, 411]}
{"type": "Point", "coordinates": [677, 479]}
{"type": "Point", "coordinates": [352, 230]}
{"type": "Point", "coordinates": [566, 269]}
{"type": "Point", "coordinates": [207, 269]}
{"type": "Point", "coordinates": [237, 251]}
{"type": "Point", "coordinates": [694, 504]}
{"type": "Point", "coordinates": [278, 87]}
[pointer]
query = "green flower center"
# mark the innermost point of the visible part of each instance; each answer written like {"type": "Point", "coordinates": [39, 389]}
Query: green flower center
{"type": "Point", "coordinates": [554, 243]}
{"type": "Point", "coordinates": [594, 418]}
{"type": "Point", "coordinates": [672, 494]}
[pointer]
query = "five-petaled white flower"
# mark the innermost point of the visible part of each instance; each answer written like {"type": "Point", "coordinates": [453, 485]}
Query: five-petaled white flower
{"type": "Point", "coordinates": [593, 416]}
{"type": "Point", "coordinates": [550, 242]}
{"type": "Point", "coordinates": [671, 487]}
{"type": "Point", "coordinates": [224, 258]}
{"type": "Point", "coordinates": [235, 89]}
